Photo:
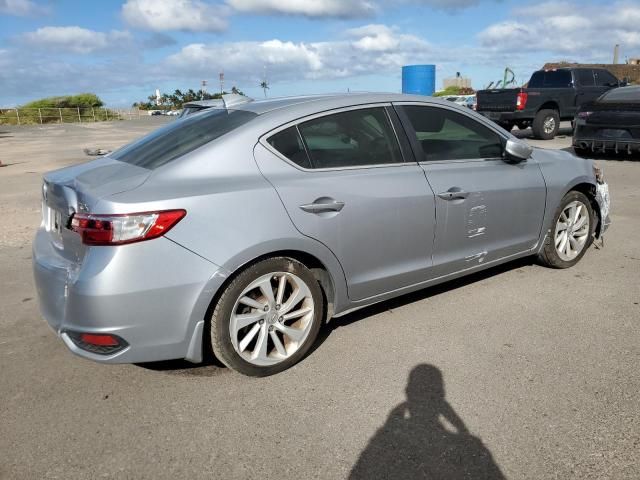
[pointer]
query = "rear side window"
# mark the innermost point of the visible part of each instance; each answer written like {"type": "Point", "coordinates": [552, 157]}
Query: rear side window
{"type": "Point", "coordinates": [605, 79]}
{"type": "Point", "coordinates": [351, 139]}
{"type": "Point", "coordinates": [550, 79]}
{"type": "Point", "coordinates": [585, 78]}
{"type": "Point", "coordinates": [447, 135]}
{"type": "Point", "coordinates": [181, 137]}
{"type": "Point", "coordinates": [289, 144]}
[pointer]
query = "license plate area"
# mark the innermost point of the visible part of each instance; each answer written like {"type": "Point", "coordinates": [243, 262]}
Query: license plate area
{"type": "Point", "coordinates": [53, 221]}
{"type": "Point", "coordinates": [614, 133]}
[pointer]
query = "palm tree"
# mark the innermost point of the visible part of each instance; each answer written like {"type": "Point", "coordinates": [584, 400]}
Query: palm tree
{"type": "Point", "coordinates": [264, 86]}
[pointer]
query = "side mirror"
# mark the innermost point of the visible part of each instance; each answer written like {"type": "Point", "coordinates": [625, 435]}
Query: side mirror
{"type": "Point", "coordinates": [516, 151]}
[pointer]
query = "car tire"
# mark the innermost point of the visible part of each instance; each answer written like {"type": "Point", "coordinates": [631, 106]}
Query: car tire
{"type": "Point", "coordinates": [558, 251]}
{"type": "Point", "coordinates": [251, 349]}
{"type": "Point", "coordinates": [546, 124]}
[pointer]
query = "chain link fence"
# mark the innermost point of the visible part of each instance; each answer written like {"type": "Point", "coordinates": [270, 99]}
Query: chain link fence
{"type": "Point", "coordinates": [33, 116]}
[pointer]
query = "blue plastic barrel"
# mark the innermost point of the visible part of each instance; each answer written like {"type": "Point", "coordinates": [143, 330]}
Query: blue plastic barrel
{"type": "Point", "coordinates": [419, 79]}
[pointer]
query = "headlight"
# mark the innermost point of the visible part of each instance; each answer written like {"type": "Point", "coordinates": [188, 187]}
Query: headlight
{"type": "Point", "coordinates": [584, 114]}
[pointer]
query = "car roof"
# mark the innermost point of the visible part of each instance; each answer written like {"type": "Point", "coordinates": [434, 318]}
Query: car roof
{"type": "Point", "coordinates": [330, 101]}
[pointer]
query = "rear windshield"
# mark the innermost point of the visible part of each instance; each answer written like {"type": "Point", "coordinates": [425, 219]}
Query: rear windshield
{"type": "Point", "coordinates": [550, 79]}
{"type": "Point", "coordinates": [181, 137]}
{"type": "Point", "coordinates": [622, 95]}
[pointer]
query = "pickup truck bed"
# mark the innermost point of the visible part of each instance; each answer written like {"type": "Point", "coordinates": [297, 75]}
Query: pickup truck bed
{"type": "Point", "coordinates": [551, 96]}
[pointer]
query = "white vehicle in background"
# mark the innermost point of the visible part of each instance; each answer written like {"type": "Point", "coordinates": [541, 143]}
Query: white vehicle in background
{"type": "Point", "coordinates": [468, 101]}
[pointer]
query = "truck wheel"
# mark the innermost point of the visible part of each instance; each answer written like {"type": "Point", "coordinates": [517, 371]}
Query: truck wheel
{"type": "Point", "coordinates": [546, 124]}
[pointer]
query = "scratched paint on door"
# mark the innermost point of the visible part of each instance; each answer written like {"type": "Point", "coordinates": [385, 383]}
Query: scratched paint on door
{"type": "Point", "coordinates": [476, 216]}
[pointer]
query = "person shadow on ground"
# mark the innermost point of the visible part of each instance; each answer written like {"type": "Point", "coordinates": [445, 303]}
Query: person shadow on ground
{"type": "Point", "coordinates": [424, 438]}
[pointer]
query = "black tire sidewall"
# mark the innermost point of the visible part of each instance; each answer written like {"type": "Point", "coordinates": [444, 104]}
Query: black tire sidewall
{"type": "Point", "coordinates": [220, 319]}
{"type": "Point", "coordinates": [550, 248]}
{"type": "Point", "coordinates": [538, 124]}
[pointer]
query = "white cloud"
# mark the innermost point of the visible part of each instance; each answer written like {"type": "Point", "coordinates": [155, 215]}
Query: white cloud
{"type": "Point", "coordinates": [365, 50]}
{"type": "Point", "coordinates": [76, 39]}
{"type": "Point", "coordinates": [309, 8]}
{"type": "Point", "coordinates": [167, 15]}
{"type": "Point", "coordinates": [445, 4]}
{"type": "Point", "coordinates": [567, 31]}
{"type": "Point", "coordinates": [20, 8]}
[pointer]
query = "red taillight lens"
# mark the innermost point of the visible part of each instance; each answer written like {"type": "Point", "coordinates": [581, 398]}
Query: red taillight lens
{"type": "Point", "coordinates": [521, 100]}
{"type": "Point", "coordinates": [99, 339]}
{"type": "Point", "coordinates": [124, 228]}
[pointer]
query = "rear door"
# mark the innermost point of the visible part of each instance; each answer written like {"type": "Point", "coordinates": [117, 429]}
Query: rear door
{"type": "Point", "coordinates": [344, 181]}
{"type": "Point", "coordinates": [486, 209]}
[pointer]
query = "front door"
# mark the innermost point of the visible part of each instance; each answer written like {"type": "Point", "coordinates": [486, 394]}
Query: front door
{"type": "Point", "coordinates": [343, 180]}
{"type": "Point", "coordinates": [486, 209]}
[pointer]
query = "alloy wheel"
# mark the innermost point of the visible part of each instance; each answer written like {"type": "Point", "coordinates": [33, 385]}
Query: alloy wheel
{"type": "Point", "coordinates": [549, 125]}
{"type": "Point", "coordinates": [272, 318]}
{"type": "Point", "coordinates": [572, 230]}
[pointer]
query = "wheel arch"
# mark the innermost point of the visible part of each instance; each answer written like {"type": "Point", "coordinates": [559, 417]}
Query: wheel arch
{"type": "Point", "coordinates": [590, 191]}
{"type": "Point", "coordinates": [550, 105]}
{"type": "Point", "coordinates": [324, 266]}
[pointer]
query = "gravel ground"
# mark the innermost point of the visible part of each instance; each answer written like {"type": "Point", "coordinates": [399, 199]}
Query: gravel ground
{"type": "Point", "coordinates": [520, 371]}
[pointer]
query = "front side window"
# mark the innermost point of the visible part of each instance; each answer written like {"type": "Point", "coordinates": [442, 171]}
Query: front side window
{"type": "Point", "coordinates": [447, 135]}
{"type": "Point", "coordinates": [354, 138]}
{"type": "Point", "coordinates": [605, 79]}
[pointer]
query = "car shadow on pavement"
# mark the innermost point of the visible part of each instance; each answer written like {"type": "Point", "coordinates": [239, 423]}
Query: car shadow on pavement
{"type": "Point", "coordinates": [427, 292]}
{"type": "Point", "coordinates": [424, 438]}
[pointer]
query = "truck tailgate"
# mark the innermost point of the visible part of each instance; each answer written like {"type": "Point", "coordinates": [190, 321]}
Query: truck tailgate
{"type": "Point", "coordinates": [501, 100]}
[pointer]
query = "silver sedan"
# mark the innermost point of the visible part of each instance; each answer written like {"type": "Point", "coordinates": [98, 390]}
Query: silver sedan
{"type": "Point", "coordinates": [241, 229]}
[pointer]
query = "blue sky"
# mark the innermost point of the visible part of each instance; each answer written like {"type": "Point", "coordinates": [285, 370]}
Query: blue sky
{"type": "Point", "coordinates": [124, 49]}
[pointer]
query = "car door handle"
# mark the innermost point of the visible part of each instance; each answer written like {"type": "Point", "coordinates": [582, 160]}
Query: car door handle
{"type": "Point", "coordinates": [323, 206]}
{"type": "Point", "coordinates": [453, 194]}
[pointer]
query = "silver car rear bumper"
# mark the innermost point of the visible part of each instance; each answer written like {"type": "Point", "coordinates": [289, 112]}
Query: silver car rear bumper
{"type": "Point", "coordinates": [153, 294]}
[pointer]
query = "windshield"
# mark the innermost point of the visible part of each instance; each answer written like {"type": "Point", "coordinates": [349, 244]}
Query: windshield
{"type": "Point", "coordinates": [181, 137]}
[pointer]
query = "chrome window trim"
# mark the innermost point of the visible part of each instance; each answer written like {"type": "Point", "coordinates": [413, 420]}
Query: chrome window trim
{"type": "Point", "coordinates": [295, 123]}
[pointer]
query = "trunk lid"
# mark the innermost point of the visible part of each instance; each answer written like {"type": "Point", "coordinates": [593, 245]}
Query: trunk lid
{"type": "Point", "coordinates": [497, 100]}
{"type": "Point", "coordinates": [79, 189]}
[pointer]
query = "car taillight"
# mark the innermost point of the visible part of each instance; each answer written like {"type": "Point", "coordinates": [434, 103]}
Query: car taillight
{"type": "Point", "coordinates": [521, 100]}
{"type": "Point", "coordinates": [119, 229]}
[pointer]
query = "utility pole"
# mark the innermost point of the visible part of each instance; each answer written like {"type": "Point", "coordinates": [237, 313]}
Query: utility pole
{"type": "Point", "coordinates": [221, 83]}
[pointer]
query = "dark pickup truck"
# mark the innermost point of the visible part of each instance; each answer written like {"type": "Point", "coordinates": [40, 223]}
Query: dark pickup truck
{"type": "Point", "coordinates": [550, 96]}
